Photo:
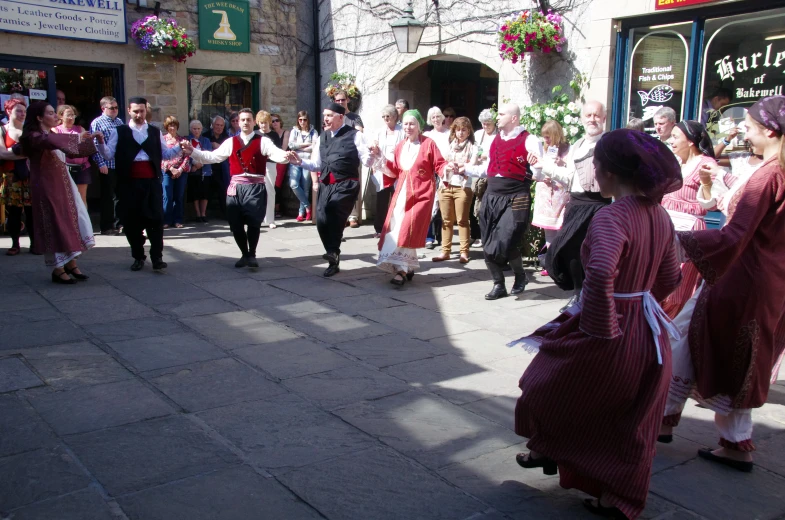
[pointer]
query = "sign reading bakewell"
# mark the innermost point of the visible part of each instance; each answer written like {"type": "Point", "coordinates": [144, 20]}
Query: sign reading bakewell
{"type": "Point", "coordinates": [660, 5]}
{"type": "Point", "coordinates": [96, 20]}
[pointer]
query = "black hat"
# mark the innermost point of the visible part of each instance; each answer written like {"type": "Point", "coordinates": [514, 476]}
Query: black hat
{"type": "Point", "coordinates": [335, 107]}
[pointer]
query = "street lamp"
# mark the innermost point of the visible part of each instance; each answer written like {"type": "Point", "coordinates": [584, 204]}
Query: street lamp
{"type": "Point", "coordinates": [407, 31]}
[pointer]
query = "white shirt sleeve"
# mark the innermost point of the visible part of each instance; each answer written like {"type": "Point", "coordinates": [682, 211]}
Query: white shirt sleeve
{"type": "Point", "coordinates": [220, 154]}
{"type": "Point", "coordinates": [273, 152]}
{"type": "Point", "coordinates": [718, 190]}
{"type": "Point", "coordinates": [109, 148]}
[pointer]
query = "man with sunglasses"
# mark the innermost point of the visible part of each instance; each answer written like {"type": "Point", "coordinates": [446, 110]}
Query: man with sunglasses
{"type": "Point", "coordinates": [106, 123]}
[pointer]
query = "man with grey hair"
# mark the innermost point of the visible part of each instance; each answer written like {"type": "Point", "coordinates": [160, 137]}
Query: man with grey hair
{"type": "Point", "coordinates": [482, 140]}
{"type": "Point", "coordinates": [664, 121]}
{"type": "Point", "coordinates": [401, 106]}
{"type": "Point", "coordinates": [506, 205]}
{"type": "Point", "coordinates": [563, 259]}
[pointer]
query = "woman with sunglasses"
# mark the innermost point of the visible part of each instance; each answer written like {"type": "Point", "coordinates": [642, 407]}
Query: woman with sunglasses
{"type": "Point", "coordinates": [280, 137]}
{"type": "Point", "coordinates": [301, 140]}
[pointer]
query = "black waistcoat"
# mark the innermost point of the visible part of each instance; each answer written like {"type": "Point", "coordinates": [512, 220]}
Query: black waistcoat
{"type": "Point", "coordinates": [127, 148]}
{"type": "Point", "coordinates": [339, 154]}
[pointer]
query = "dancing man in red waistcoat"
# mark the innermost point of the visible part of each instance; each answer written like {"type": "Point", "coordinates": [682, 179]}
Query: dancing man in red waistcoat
{"type": "Point", "coordinates": [246, 196]}
{"type": "Point", "coordinates": [506, 205]}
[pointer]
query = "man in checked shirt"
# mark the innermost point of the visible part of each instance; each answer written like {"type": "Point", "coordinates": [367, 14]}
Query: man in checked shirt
{"type": "Point", "coordinates": [106, 123]}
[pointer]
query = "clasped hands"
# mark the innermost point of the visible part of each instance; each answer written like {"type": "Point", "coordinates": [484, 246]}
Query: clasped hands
{"type": "Point", "coordinates": [454, 168]}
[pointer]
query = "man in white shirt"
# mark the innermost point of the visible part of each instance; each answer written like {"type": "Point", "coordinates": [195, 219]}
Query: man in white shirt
{"type": "Point", "coordinates": [506, 205]}
{"type": "Point", "coordinates": [337, 156]}
{"type": "Point", "coordinates": [246, 196]}
{"type": "Point", "coordinates": [138, 149]}
{"type": "Point", "coordinates": [563, 260]}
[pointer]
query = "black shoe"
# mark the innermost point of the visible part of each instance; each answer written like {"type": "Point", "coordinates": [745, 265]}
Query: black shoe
{"type": "Point", "coordinates": [137, 265]}
{"type": "Point", "coordinates": [251, 261]}
{"type": "Point", "coordinates": [56, 278]}
{"type": "Point", "coordinates": [109, 232]}
{"type": "Point", "coordinates": [520, 284]}
{"type": "Point", "coordinates": [498, 291]}
{"type": "Point", "coordinates": [410, 275]}
{"type": "Point", "coordinates": [242, 262]}
{"type": "Point", "coordinates": [665, 439]}
{"type": "Point", "coordinates": [159, 265]}
{"type": "Point", "coordinates": [78, 276]}
{"type": "Point", "coordinates": [332, 258]}
{"type": "Point", "coordinates": [204, 220]}
{"type": "Point", "coordinates": [332, 270]}
{"type": "Point", "coordinates": [740, 465]}
{"type": "Point", "coordinates": [399, 281]}
{"type": "Point", "coordinates": [607, 512]}
{"type": "Point", "coordinates": [525, 460]}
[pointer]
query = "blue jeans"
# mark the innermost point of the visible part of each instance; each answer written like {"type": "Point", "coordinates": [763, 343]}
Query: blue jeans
{"type": "Point", "coordinates": [174, 198]}
{"type": "Point", "coordinates": [300, 182]}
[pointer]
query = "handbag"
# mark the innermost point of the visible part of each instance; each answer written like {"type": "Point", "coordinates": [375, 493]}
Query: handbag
{"type": "Point", "coordinates": [74, 169]}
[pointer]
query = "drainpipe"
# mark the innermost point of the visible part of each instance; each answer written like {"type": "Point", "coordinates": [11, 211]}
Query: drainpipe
{"type": "Point", "coordinates": [317, 64]}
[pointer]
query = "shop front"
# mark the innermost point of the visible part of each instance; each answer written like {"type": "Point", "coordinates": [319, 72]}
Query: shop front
{"type": "Point", "coordinates": [706, 60]}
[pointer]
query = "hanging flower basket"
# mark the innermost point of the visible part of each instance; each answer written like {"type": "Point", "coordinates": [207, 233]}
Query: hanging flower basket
{"type": "Point", "coordinates": [162, 36]}
{"type": "Point", "coordinates": [528, 32]}
{"type": "Point", "coordinates": [345, 82]}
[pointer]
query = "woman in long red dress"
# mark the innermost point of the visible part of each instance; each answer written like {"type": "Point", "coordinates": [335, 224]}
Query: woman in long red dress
{"type": "Point", "coordinates": [737, 330]}
{"type": "Point", "coordinates": [600, 431]}
{"type": "Point", "coordinates": [692, 145]}
{"type": "Point", "coordinates": [416, 162]}
{"type": "Point", "coordinates": [62, 224]}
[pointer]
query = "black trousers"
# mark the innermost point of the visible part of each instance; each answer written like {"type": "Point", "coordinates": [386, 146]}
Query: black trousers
{"type": "Point", "coordinates": [383, 199]}
{"type": "Point", "coordinates": [110, 218]}
{"type": "Point", "coordinates": [504, 220]}
{"type": "Point", "coordinates": [246, 207]}
{"type": "Point", "coordinates": [333, 207]}
{"type": "Point", "coordinates": [15, 223]}
{"type": "Point", "coordinates": [140, 208]}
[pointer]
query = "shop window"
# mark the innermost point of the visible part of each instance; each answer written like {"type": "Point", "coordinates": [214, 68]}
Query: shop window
{"type": "Point", "coordinates": [216, 94]}
{"type": "Point", "coordinates": [28, 82]}
{"type": "Point", "coordinates": [744, 61]}
{"type": "Point", "coordinates": [658, 71]}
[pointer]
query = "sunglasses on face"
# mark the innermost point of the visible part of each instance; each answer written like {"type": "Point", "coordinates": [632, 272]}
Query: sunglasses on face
{"type": "Point", "coordinates": [303, 119]}
{"type": "Point", "coordinates": [112, 108]}
{"type": "Point", "coordinates": [276, 120]}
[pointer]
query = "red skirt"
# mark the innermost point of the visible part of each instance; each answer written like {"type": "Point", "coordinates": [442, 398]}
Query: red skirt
{"type": "Point", "coordinates": [595, 405]}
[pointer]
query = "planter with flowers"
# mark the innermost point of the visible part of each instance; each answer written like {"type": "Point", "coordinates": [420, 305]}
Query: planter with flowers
{"type": "Point", "coordinates": [530, 31]}
{"type": "Point", "coordinates": [345, 82]}
{"type": "Point", "coordinates": [162, 36]}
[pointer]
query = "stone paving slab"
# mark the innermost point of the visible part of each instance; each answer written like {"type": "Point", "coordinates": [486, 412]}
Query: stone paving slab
{"type": "Point", "coordinates": [22, 335]}
{"type": "Point", "coordinates": [391, 349]}
{"type": "Point", "coordinates": [75, 364]}
{"type": "Point", "coordinates": [200, 307]}
{"type": "Point", "coordinates": [100, 406]}
{"type": "Point", "coordinates": [285, 432]}
{"type": "Point", "coordinates": [144, 454]}
{"type": "Point", "coordinates": [131, 329]}
{"type": "Point", "coordinates": [344, 386]}
{"type": "Point", "coordinates": [337, 328]}
{"type": "Point", "coordinates": [210, 384]}
{"type": "Point", "coordinates": [235, 493]}
{"type": "Point", "coordinates": [418, 322]}
{"type": "Point", "coordinates": [15, 375]}
{"type": "Point", "coordinates": [37, 475]}
{"type": "Point", "coordinates": [17, 316]}
{"type": "Point", "coordinates": [238, 329]}
{"type": "Point", "coordinates": [431, 430]}
{"type": "Point", "coordinates": [102, 310]}
{"type": "Point", "coordinates": [378, 484]}
{"type": "Point", "coordinates": [85, 504]}
{"type": "Point", "coordinates": [293, 358]}
{"type": "Point", "coordinates": [21, 429]}
{"type": "Point", "coordinates": [166, 351]}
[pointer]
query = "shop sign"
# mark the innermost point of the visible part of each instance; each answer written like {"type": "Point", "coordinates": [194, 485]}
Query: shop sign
{"type": "Point", "coordinates": [224, 25]}
{"type": "Point", "coordinates": [660, 5]}
{"type": "Point", "coordinates": [754, 75]}
{"type": "Point", "coordinates": [95, 20]}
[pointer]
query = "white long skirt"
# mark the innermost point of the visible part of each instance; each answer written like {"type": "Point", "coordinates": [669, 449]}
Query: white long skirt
{"type": "Point", "coordinates": [394, 259]}
{"type": "Point", "coordinates": [57, 260]}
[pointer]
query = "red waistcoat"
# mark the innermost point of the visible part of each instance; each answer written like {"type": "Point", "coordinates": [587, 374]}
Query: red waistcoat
{"type": "Point", "coordinates": [509, 158]}
{"type": "Point", "coordinates": [247, 158]}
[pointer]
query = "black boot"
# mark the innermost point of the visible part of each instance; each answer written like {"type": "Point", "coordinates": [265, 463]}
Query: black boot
{"type": "Point", "coordinates": [334, 260]}
{"type": "Point", "coordinates": [499, 290]}
{"type": "Point", "coordinates": [520, 276]}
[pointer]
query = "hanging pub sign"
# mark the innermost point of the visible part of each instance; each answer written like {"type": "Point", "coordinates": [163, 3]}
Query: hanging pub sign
{"type": "Point", "coordinates": [661, 5]}
{"type": "Point", "coordinates": [95, 20]}
{"type": "Point", "coordinates": [224, 25]}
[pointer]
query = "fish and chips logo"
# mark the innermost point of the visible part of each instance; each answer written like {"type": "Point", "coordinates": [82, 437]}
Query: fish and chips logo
{"type": "Point", "coordinates": [659, 94]}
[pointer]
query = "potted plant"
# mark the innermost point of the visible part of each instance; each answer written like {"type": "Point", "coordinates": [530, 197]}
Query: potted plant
{"type": "Point", "coordinates": [164, 36]}
{"type": "Point", "coordinates": [528, 32]}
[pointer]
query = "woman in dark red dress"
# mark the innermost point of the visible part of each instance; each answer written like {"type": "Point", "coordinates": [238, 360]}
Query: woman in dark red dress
{"type": "Point", "coordinates": [600, 431]}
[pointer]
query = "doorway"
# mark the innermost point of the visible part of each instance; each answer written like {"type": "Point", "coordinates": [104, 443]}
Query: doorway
{"type": "Point", "coordinates": [84, 87]}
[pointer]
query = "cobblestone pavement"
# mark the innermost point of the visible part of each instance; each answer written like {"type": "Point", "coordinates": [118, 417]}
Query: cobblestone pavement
{"type": "Point", "coordinates": [210, 392]}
